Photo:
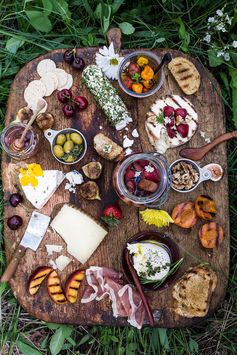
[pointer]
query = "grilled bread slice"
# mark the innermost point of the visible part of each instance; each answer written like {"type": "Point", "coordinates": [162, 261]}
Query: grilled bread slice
{"type": "Point", "coordinates": [107, 148]}
{"type": "Point", "coordinates": [192, 292]}
{"type": "Point", "coordinates": [186, 74]}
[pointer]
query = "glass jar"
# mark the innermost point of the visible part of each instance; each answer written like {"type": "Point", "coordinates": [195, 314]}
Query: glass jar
{"type": "Point", "coordinates": [13, 132]}
{"type": "Point", "coordinates": [154, 199]}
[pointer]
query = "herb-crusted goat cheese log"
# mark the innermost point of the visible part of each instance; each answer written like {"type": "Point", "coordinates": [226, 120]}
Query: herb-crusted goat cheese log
{"type": "Point", "coordinates": [107, 97]}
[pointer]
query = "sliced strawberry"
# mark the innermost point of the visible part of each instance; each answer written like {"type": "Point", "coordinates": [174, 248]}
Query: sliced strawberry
{"type": "Point", "coordinates": [183, 128]}
{"type": "Point", "coordinates": [130, 174]}
{"type": "Point", "coordinates": [152, 176]}
{"type": "Point", "coordinates": [143, 162]}
{"type": "Point", "coordinates": [168, 111]}
{"type": "Point", "coordinates": [171, 132]}
{"type": "Point", "coordinates": [112, 215]}
{"type": "Point", "coordinates": [181, 112]}
{"type": "Point", "coordinates": [137, 166]}
{"type": "Point", "coordinates": [171, 122]}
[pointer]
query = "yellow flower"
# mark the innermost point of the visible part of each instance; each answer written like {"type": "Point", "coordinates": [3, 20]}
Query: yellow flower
{"type": "Point", "coordinates": [159, 218]}
{"type": "Point", "coordinates": [29, 175]}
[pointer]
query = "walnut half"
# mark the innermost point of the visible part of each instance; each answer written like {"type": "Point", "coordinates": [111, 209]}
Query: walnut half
{"type": "Point", "coordinates": [45, 121]}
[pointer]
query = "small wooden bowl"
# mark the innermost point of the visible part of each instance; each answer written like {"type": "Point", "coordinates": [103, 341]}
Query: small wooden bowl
{"type": "Point", "coordinates": [158, 237]}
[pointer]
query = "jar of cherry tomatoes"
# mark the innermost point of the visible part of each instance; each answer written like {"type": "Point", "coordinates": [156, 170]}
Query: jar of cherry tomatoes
{"type": "Point", "coordinates": [142, 179]}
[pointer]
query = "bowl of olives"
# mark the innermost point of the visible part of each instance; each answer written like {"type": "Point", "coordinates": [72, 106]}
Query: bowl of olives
{"type": "Point", "coordinates": [68, 145]}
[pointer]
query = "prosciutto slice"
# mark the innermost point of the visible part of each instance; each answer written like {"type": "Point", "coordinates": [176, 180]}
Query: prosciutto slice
{"type": "Point", "coordinates": [126, 301]}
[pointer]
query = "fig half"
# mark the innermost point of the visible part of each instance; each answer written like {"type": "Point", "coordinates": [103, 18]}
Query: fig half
{"type": "Point", "coordinates": [92, 170]}
{"type": "Point", "coordinates": [90, 191]}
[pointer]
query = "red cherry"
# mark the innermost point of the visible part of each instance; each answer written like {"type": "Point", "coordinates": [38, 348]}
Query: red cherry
{"type": "Point", "coordinates": [81, 102]}
{"type": "Point", "coordinates": [68, 110]}
{"type": "Point", "coordinates": [64, 95]}
{"type": "Point", "coordinates": [183, 129]}
{"type": "Point", "coordinates": [181, 112]}
{"type": "Point", "coordinates": [127, 82]}
{"type": "Point", "coordinates": [171, 132]}
{"type": "Point", "coordinates": [168, 111]}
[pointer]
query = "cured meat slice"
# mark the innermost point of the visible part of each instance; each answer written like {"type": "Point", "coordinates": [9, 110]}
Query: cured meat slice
{"type": "Point", "coordinates": [126, 301]}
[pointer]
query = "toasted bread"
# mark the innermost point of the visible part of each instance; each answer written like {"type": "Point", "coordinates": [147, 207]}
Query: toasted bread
{"type": "Point", "coordinates": [193, 291]}
{"type": "Point", "coordinates": [113, 151]}
{"type": "Point", "coordinates": [186, 74]}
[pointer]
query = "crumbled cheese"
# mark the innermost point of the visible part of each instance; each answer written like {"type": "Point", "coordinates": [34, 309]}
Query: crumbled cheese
{"type": "Point", "coordinates": [127, 142]}
{"type": "Point", "coordinates": [60, 263]}
{"type": "Point", "coordinates": [74, 178]}
{"type": "Point", "coordinates": [128, 151]}
{"type": "Point", "coordinates": [135, 133]}
{"type": "Point", "coordinates": [207, 140]}
{"type": "Point", "coordinates": [53, 248]}
{"type": "Point", "coordinates": [149, 169]}
{"type": "Point", "coordinates": [107, 148]}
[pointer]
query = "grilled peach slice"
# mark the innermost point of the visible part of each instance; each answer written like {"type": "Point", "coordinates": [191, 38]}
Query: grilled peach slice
{"type": "Point", "coordinates": [55, 290]}
{"type": "Point", "coordinates": [72, 285]}
{"type": "Point", "coordinates": [211, 235]}
{"type": "Point", "coordinates": [184, 215]}
{"type": "Point", "coordinates": [205, 207]}
{"type": "Point", "coordinates": [37, 277]}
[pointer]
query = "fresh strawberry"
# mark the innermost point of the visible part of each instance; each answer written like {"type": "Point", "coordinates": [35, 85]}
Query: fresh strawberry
{"type": "Point", "coordinates": [152, 176]}
{"type": "Point", "coordinates": [183, 128]}
{"type": "Point", "coordinates": [143, 162]}
{"type": "Point", "coordinates": [112, 215]}
{"type": "Point", "coordinates": [171, 132]}
{"type": "Point", "coordinates": [171, 122]}
{"type": "Point", "coordinates": [181, 112]}
{"type": "Point", "coordinates": [168, 111]}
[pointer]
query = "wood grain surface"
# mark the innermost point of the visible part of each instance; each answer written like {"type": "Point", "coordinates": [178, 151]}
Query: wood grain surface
{"type": "Point", "coordinates": [211, 120]}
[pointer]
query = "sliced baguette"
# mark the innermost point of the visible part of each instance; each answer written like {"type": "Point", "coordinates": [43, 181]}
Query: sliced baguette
{"type": "Point", "coordinates": [186, 75]}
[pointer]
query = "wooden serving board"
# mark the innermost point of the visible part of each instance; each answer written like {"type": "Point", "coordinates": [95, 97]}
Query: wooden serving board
{"type": "Point", "coordinates": [211, 117]}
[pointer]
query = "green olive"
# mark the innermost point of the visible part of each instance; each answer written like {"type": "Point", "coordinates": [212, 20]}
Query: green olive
{"type": "Point", "coordinates": [58, 151]}
{"type": "Point", "coordinates": [61, 139]}
{"type": "Point", "coordinates": [68, 146]}
{"type": "Point", "coordinates": [68, 136]}
{"type": "Point", "coordinates": [76, 138]}
{"type": "Point", "coordinates": [69, 159]}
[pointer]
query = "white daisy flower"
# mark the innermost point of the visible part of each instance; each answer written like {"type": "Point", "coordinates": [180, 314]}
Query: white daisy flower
{"type": "Point", "coordinates": [234, 44]}
{"type": "Point", "coordinates": [108, 61]}
{"type": "Point", "coordinates": [227, 57]}
{"type": "Point", "coordinates": [211, 19]}
{"type": "Point", "coordinates": [220, 54]}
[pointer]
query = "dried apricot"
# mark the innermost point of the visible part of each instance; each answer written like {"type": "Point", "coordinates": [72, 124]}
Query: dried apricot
{"type": "Point", "coordinates": [184, 215]}
{"type": "Point", "coordinates": [211, 235]}
{"type": "Point", "coordinates": [205, 207]}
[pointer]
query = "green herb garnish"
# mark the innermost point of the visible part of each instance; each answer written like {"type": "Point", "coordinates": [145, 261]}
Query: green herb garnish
{"type": "Point", "coordinates": [136, 77]}
{"type": "Point", "coordinates": [173, 268]}
{"type": "Point", "coordinates": [160, 118]}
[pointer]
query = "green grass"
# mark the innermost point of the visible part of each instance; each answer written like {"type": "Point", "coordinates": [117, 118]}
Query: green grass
{"type": "Point", "coordinates": [167, 23]}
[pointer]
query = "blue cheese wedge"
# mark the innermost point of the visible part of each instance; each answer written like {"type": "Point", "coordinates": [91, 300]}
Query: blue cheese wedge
{"type": "Point", "coordinates": [47, 185]}
{"type": "Point", "coordinates": [107, 97]}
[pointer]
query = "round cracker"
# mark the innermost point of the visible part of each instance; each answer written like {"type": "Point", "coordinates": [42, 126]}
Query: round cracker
{"type": "Point", "coordinates": [69, 82]}
{"type": "Point", "coordinates": [62, 78]}
{"type": "Point", "coordinates": [51, 83]}
{"type": "Point", "coordinates": [33, 106]}
{"type": "Point", "coordinates": [35, 89]}
{"type": "Point", "coordinates": [46, 66]}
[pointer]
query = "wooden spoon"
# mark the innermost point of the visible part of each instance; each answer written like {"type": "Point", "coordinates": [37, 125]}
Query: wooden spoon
{"type": "Point", "coordinates": [199, 153]}
{"type": "Point", "coordinates": [18, 144]}
{"type": "Point", "coordinates": [139, 288]}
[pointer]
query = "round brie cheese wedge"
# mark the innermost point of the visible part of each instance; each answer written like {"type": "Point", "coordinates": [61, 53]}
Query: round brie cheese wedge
{"type": "Point", "coordinates": [174, 130]}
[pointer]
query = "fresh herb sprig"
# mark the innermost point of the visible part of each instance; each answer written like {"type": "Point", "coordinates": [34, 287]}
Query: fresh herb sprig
{"type": "Point", "coordinates": [156, 284]}
{"type": "Point", "coordinates": [160, 118]}
{"type": "Point", "coordinates": [136, 77]}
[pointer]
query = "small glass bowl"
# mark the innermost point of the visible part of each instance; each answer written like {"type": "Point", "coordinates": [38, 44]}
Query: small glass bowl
{"type": "Point", "coordinates": [153, 59]}
{"type": "Point", "coordinates": [159, 196]}
{"type": "Point", "coordinates": [171, 247]}
{"type": "Point", "coordinates": [14, 131]}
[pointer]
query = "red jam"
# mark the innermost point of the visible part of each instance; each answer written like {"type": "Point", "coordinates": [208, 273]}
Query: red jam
{"type": "Point", "coordinates": [142, 178]}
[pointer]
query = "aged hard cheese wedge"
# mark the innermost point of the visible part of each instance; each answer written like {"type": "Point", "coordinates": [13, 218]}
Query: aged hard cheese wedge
{"type": "Point", "coordinates": [47, 185]}
{"type": "Point", "coordinates": [81, 233]}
